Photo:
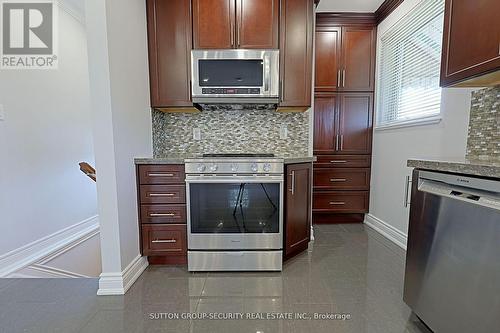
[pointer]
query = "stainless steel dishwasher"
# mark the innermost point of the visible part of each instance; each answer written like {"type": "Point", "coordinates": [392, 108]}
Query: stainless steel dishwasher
{"type": "Point", "coordinates": [452, 278]}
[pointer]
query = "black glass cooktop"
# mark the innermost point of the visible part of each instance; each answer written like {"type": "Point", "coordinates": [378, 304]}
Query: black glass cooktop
{"type": "Point", "coordinates": [238, 155]}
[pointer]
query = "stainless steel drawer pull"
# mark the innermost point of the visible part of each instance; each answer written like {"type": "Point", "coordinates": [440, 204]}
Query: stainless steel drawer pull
{"type": "Point", "coordinates": [161, 194]}
{"type": "Point", "coordinates": [339, 161]}
{"type": "Point", "coordinates": [337, 180]}
{"type": "Point", "coordinates": [292, 189]}
{"type": "Point", "coordinates": [161, 214]}
{"type": "Point", "coordinates": [338, 203]}
{"type": "Point", "coordinates": [407, 191]}
{"type": "Point", "coordinates": [164, 241]}
{"type": "Point", "coordinates": [160, 174]}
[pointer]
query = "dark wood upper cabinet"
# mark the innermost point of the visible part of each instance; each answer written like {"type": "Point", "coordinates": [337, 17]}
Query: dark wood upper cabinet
{"type": "Point", "coordinates": [343, 123]}
{"type": "Point", "coordinates": [169, 39]}
{"type": "Point", "coordinates": [214, 24]}
{"type": "Point", "coordinates": [471, 43]}
{"type": "Point", "coordinates": [345, 58]}
{"type": "Point", "coordinates": [296, 52]}
{"type": "Point", "coordinates": [297, 208]}
{"type": "Point", "coordinates": [257, 24]}
{"type": "Point", "coordinates": [327, 59]}
{"type": "Point", "coordinates": [355, 123]}
{"type": "Point", "coordinates": [227, 24]}
{"type": "Point", "coordinates": [358, 58]}
{"type": "Point", "coordinates": [325, 115]}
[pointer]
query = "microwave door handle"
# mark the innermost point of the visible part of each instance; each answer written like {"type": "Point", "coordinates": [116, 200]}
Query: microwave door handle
{"type": "Point", "coordinates": [267, 73]}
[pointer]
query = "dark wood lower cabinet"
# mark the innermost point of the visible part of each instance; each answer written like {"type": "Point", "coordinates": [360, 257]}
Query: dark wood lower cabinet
{"type": "Point", "coordinates": [341, 202]}
{"type": "Point", "coordinates": [297, 208]}
{"type": "Point", "coordinates": [164, 239]}
{"type": "Point", "coordinates": [162, 213]}
{"type": "Point", "coordinates": [341, 188]}
{"type": "Point", "coordinates": [342, 179]}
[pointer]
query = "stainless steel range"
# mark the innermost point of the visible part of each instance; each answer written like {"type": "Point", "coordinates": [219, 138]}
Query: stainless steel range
{"type": "Point", "coordinates": [235, 212]}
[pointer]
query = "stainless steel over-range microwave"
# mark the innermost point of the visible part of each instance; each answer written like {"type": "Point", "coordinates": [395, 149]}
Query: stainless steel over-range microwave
{"type": "Point", "coordinates": [235, 76]}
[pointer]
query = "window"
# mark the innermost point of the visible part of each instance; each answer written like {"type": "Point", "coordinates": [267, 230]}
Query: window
{"type": "Point", "coordinates": [409, 67]}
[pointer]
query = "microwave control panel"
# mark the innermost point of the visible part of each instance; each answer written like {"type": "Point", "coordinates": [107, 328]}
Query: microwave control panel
{"type": "Point", "coordinates": [230, 91]}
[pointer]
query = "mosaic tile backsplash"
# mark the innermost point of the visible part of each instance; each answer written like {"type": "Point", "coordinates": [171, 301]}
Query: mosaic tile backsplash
{"type": "Point", "coordinates": [484, 125]}
{"type": "Point", "coordinates": [230, 129]}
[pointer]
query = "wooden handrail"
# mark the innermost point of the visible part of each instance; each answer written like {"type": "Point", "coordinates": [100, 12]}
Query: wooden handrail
{"type": "Point", "coordinates": [88, 170]}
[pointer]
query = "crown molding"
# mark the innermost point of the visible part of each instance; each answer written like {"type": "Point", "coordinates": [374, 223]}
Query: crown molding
{"type": "Point", "coordinates": [345, 18]}
{"type": "Point", "coordinates": [386, 8]}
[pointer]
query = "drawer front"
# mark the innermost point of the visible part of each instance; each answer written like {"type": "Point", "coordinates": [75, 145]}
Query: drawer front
{"type": "Point", "coordinates": [164, 240]}
{"type": "Point", "coordinates": [163, 194]}
{"type": "Point", "coordinates": [341, 201]}
{"type": "Point", "coordinates": [343, 161]}
{"type": "Point", "coordinates": [163, 214]}
{"type": "Point", "coordinates": [342, 179]}
{"type": "Point", "coordinates": [161, 174]}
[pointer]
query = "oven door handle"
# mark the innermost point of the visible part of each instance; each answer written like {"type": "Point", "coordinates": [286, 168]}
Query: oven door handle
{"type": "Point", "coordinates": [234, 179]}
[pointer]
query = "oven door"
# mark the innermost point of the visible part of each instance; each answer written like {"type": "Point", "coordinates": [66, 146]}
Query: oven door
{"type": "Point", "coordinates": [235, 212]}
{"type": "Point", "coordinates": [228, 74]}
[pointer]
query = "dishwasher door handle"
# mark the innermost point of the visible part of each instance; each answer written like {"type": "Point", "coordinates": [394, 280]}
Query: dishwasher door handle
{"type": "Point", "coordinates": [469, 195]}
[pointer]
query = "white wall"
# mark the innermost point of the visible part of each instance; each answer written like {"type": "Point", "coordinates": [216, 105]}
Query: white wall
{"type": "Point", "coordinates": [393, 147]}
{"type": "Point", "coordinates": [121, 126]}
{"type": "Point", "coordinates": [46, 132]}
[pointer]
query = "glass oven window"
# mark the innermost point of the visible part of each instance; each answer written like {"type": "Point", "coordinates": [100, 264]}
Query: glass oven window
{"type": "Point", "coordinates": [234, 208]}
{"type": "Point", "coordinates": [230, 73]}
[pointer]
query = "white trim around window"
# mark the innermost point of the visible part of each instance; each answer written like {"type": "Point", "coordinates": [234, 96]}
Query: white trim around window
{"type": "Point", "coordinates": [408, 68]}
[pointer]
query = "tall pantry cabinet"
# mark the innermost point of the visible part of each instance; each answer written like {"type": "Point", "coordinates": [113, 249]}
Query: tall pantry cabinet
{"type": "Point", "coordinates": [343, 116]}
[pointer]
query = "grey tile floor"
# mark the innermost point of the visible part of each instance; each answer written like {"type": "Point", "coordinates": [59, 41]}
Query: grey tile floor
{"type": "Point", "coordinates": [349, 269]}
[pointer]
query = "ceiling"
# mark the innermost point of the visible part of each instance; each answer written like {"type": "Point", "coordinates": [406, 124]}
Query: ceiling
{"type": "Point", "coordinates": [349, 5]}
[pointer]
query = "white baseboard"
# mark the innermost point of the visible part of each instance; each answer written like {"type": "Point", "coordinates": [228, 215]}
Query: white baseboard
{"type": "Point", "coordinates": [47, 247]}
{"type": "Point", "coordinates": [118, 283]}
{"type": "Point", "coordinates": [388, 231]}
{"type": "Point", "coordinates": [45, 271]}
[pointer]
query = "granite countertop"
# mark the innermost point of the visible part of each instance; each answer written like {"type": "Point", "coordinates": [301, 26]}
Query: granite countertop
{"type": "Point", "coordinates": [161, 160]}
{"type": "Point", "coordinates": [474, 167]}
{"type": "Point", "coordinates": [180, 159]}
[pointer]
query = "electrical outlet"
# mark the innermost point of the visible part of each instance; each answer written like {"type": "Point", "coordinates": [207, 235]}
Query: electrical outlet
{"type": "Point", "coordinates": [2, 112]}
{"type": "Point", "coordinates": [283, 132]}
{"type": "Point", "coordinates": [196, 134]}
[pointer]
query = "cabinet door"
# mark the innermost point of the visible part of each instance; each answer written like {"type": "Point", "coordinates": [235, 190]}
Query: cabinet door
{"type": "Point", "coordinates": [325, 111]}
{"type": "Point", "coordinates": [355, 123]}
{"type": "Point", "coordinates": [296, 48]}
{"type": "Point", "coordinates": [297, 208]}
{"type": "Point", "coordinates": [169, 40]}
{"type": "Point", "coordinates": [257, 24]}
{"type": "Point", "coordinates": [471, 42]}
{"type": "Point", "coordinates": [327, 59]}
{"type": "Point", "coordinates": [358, 58]}
{"type": "Point", "coordinates": [214, 24]}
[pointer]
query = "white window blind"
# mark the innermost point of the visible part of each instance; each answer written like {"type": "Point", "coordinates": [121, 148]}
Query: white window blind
{"type": "Point", "coordinates": [409, 66]}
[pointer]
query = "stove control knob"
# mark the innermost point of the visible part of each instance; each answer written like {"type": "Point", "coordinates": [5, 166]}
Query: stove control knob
{"type": "Point", "coordinates": [254, 167]}
{"type": "Point", "coordinates": [267, 167]}
{"type": "Point", "coordinates": [234, 167]}
{"type": "Point", "coordinates": [213, 167]}
{"type": "Point", "coordinates": [201, 167]}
